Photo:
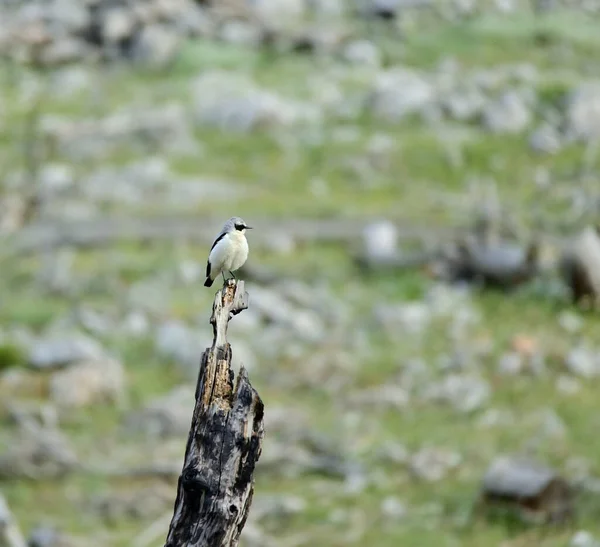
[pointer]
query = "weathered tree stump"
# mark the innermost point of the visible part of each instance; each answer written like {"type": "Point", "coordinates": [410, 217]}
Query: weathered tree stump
{"type": "Point", "coordinates": [215, 488]}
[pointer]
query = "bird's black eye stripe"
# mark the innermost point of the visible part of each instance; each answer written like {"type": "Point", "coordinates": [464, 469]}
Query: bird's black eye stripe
{"type": "Point", "coordinates": [239, 226]}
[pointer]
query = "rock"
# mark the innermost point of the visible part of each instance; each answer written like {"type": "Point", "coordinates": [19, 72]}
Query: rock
{"type": "Point", "coordinates": [175, 340]}
{"type": "Point", "coordinates": [156, 46]}
{"type": "Point", "coordinates": [570, 322]}
{"type": "Point", "coordinates": [146, 503]}
{"type": "Point", "coordinates": [38, 454]}
{"type": "Point", "coordinates": [165, 127]}
{"type": "Point", "coordinates": [393, 508]}
{"type": "Point", "coordinates": [567, 385]}
{"type": "Point", "coordinates": [398, 93]}
{"type": "Point", "coordinates": [117, 24]}
{"type": "Point", "coordinates": [508, 114]}
{"type": "Point", "coordinates": [167, 416]}
{"type": "Point", "coordinates": [531, 489]}
{"type": "Point", "coordinates": [56, 351]}
{"type": "Point", "coordinates": [545, 139]}
{"type": "Point", "coordinates": [580, 267]}
{"type": "Point", "coordinates": [380, 240]}
{"type": "Point", "coordinates": [433, 464]}
{"type": "Point", "coordinates": [583, 112]}
{"type": "Point", "coordinates": [385, 396]}
{"type": "Point", "coordinates": [88, 382]}
{"type": "Point", "coordinates": [46, 536]}
{"type": "Point", "coordinates": [276, 507]}
{"type": "Point", "coordinates": [510, 364]}
{"type": "Point", "coordinates": [362, 52]}
{"type": "Point", "coordinates": [464, 105]}
{"type": "Point", "coordinates": [465, 392]}
{"type": "Point", "coordinates": [583, 362]}
{"type": "Point", "coordinates": [583, 538]}
{"type": "Point", "coordinates": [55, 178]}
{"type": "Point", "coordinates": [411, 317]}
{"type": "Point", "coordinates": [501, 265]}
{"type": "Point", "coordinates": [233, 102]}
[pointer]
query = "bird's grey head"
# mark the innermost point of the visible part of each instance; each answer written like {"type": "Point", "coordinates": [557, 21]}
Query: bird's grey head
{"type": "Point", "coordinates": [236, 223]}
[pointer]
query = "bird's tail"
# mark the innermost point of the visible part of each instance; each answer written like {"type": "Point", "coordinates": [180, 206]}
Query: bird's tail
{"type": "Point", "coordinates": [208, 282]}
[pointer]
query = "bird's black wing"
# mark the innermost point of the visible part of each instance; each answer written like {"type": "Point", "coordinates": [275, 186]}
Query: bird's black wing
{"type": "Point", "coordinates": [219, 238]}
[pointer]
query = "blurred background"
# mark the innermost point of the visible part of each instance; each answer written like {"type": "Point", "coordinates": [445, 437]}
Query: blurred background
{"type": "Point", "coordinates": [422, 177]}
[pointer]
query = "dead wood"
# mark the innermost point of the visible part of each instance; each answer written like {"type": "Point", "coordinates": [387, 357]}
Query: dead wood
{"type": "Point", "coordinates": [216, 485]}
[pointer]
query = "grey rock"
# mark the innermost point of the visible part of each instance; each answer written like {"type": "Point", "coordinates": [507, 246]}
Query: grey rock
{"type": "Point", "coordinates": [117, 24]}
{"type": "Point", "coordinates": [167, 416]}
{"type": "Point", "coordinates": [38, 454]}
{"type": "Point", "coordinates": [583, 361]}
{"type": "Point", "coordinates": [175, 340]}
{"type": "Point", "coordinates": [89, 382]}
{"type": "Point", "coordinates": [464, 105]}
{"type": "Point", "coordinates": [567, 385]}
{"type": "Point", "coordinates": [583, 538]}
{"type": "Point", "coordinates": [392, 507]}
{"type": "Point", "coordinates": [59, 350]}
{"type": "Point", "coordinates": [570, 322]}
{"type": "Point", "coordinates": [411, 317]}
{"type": "Point", "coordinates": [510, 364]}
{"type": "Point", "coordinates": [380, 240]}
{"type": "Point", "coordinates": [62, 51]}
{"type": "Point", "coordinates": [583, 112]}
{"type": "Point", "coordinates": [508, 114]}
{"type": "Point", "coordinates": [385, 396]}
{"type": "Point", "coordinates": [545, 139]}
{"type": "Point", "coordinates": [433, 464]}
{"type": "Point", "coordinates": [156, 46]}
{"type": "Point", "coordinates": [240, 33]}
{"type": "Point", "coordinates": [135, 323]}
{"type": "Point", "coordinates": [233, 102]}
{"type": "Point", "coordinates": [362, 52]}
{"type": "Point", "coordinates": [55, 178]}
{"type": "Point", "coordinates": [47, 536]}
{"type": "Point", "coordinates": [465, 392]}
{"type": "Point", "coordinates": [398, 93]}
{"type": "Point", "coordinates": [69, 81]}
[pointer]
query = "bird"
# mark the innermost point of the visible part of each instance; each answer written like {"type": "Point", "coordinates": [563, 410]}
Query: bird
{"type": "Point", "coordinates": [229, 250]}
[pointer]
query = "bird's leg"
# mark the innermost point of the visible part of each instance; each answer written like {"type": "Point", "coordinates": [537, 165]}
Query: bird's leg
{"type": "Point", "coordinates": [223, 274]}
{"type": "Point", "coordinates": [234, 277]}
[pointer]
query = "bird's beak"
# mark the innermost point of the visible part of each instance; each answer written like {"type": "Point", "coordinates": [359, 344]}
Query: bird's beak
{"type": "Point", "coordinates": [248, 227]}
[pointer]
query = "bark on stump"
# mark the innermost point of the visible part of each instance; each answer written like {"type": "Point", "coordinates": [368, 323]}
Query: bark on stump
{"type": "Point", "coordinates": [215, 488]}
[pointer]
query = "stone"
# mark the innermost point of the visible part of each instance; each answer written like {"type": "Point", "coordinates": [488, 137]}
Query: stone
{"type": "Point", "coordinates": [465, 392]}
{"type": "Point", "coordinates": [89, 382]}
{"type": "Point", "coordinates": [56, 351]}
{"type": "Point", "coordinates": [175, 340]}
{"type": "Point", "coordinates": [362, 52]}
{"type": "Point", "coordinates": [433, 464]}
{"type": "Point", "coordinates": [380, 240]}
{"type": "Point", "coordinates": [508, 114]}
{"type": "Point", "coordinates": [583, 361]}
{"type": "Point", "coordinates": [399, 93]}
{"type": "Point", "coordinates": [232, 102]}
{"type": "Point", "coordinates": [464, 105]}
{"type": "Point", "coordinates": [411, 317]}
{"type": "Point", "coordinates": [583, 538]}
{"type": "Point", "coordinates": [570, 322]}
{"type": "Point", "coordinates": [166, 416]}
{"type": "Point", "coordinates": [510, 364]}
{"type": "Point", "coordinates": [156, 46]}
{"type": "Point", "coordinates": [582, 112]}
{"type": "Point", "coordinates": [545, 139]}
{"type": "Point", "coordinates": [38, 454]}
{"type": "Point", "coordinates": [392, 507]}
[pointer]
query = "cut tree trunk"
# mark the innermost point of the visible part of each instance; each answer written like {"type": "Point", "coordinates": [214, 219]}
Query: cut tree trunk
{"type": "Point", "coordinates": [216, 484]}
